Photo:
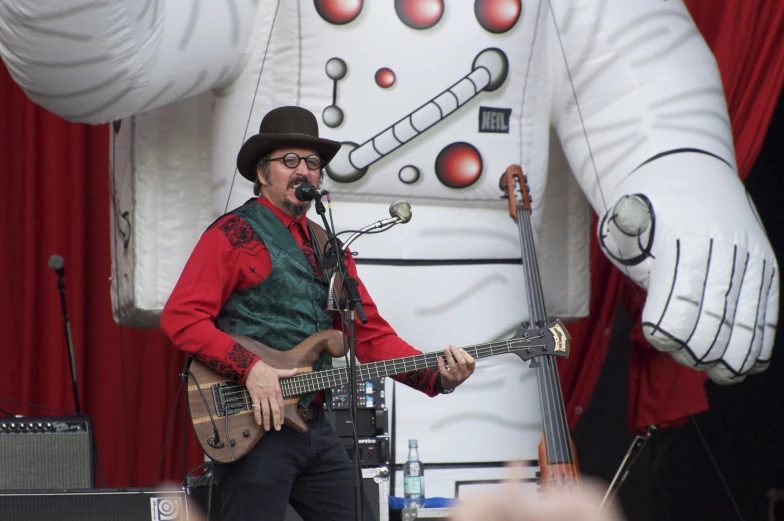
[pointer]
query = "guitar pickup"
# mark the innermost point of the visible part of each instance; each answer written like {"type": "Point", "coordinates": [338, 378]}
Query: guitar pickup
{"type": "Point", "coordinates": [229, 398]}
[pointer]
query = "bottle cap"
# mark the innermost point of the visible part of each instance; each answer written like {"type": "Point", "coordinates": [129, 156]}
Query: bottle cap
{"type": "Point", "coordinates": [412, 443]}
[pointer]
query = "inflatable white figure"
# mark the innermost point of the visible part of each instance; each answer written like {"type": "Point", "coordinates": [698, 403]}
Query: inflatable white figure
{"type": "Point", "coordinates": [433, 100]}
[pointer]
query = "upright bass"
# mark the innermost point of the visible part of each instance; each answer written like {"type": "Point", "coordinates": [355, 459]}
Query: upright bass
{"type": "Point", "coordinates": [557, 459]}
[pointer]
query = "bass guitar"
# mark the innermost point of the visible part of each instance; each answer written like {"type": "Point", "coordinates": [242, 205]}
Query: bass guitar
{"type": "Point", "coordinates": [221, 410]}
{"type": "Point", "coordinates": [557, 461]}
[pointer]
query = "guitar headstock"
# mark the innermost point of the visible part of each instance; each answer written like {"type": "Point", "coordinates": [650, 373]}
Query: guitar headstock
{"type": "Point", "coordinates": [549, 340]}
{"type": "Point", "coordinates": [515, 186]}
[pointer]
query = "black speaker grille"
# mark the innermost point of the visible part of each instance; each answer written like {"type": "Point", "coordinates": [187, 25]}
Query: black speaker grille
{"type": "Point", "coordinates": [58, 459]}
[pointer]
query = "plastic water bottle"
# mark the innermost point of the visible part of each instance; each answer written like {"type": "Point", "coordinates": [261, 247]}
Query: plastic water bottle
{"type": "Point", "coordinates": [413, 478]}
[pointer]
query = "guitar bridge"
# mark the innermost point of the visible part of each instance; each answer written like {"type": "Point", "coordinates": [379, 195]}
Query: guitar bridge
{"type": "Point", "coordinates": [229, 398]}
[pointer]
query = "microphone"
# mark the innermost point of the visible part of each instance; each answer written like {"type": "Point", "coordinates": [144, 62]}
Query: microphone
{"type": "Point", "coordinates": [57, 264]}
{"type": "Point", "coordinates": [401, 210]}
{"type": "Point", "coordinates": [308, 192]}
{"type": "Point", "coordinates": [400, 213]}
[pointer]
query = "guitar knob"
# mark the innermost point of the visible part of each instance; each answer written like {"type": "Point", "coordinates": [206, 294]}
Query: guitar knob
{"type": "Point", "coordinates": [246, 433]}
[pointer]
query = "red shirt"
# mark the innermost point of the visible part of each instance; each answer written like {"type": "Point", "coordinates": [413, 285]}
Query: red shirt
{"type": "Point", "coordinates": [231, 256]}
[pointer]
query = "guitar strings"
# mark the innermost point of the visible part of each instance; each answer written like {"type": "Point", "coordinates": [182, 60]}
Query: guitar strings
{"type": "Point", "coordinates": [297, 384]}
{"type": "Point", "coordinates": [557, 444]}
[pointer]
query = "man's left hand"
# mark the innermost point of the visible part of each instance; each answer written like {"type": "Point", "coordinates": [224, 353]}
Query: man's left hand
{"type": "Point", "coordinates": [454, 367]}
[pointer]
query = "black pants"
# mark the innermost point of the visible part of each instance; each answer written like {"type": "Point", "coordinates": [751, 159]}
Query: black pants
{"type": "Point", "coordinates": [311, 471]}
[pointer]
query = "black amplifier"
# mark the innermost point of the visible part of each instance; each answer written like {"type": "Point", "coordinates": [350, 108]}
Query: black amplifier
{"type": "Point", "coordinates": [84, 505]}
{"type": "Point", "coordinates": [370, 422]}
{"type": "Point", "coordinates": [373, 452]}
{"type": "Point", "coordinates": [51, 452]}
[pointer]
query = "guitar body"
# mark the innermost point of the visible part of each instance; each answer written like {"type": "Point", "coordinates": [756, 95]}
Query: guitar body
{"type": "Point", "coordinates": [557, 474]}
{"type": "Point", "coordinates": [210, 395]}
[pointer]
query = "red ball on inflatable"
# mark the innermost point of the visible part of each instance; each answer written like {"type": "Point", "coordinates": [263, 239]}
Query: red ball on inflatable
{"type": "Point", "coordinates": [338, 12]}
{"type": "Point", "coordinates": [497, 16]}
{"type": "Point", "coordinates": [419, 14]}
{"type": "Point", "coordinates": [385, 77]}
{"type": "Point", "coordinates": [459, 165]}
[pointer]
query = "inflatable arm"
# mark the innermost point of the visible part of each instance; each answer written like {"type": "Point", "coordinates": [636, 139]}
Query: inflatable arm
{"type": "Point", "coordinates": [100, 61]}
{"type": "Point", "coordinates": [643, 120]}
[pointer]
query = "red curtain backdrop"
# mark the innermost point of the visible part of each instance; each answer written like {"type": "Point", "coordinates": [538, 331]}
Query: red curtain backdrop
{"type": "Point", "coordinates": [747, 39]}
{"type": "Point", "coordinates": [55, 200]}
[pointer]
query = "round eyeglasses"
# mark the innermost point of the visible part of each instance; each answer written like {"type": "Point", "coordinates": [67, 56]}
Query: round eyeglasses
{"type": "Point", "coordinates": [292, 160]}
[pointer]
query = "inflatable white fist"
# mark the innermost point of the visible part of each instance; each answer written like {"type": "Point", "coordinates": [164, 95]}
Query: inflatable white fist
{"type": "Point", "coordinates": [433, 100]}
{"type": "Point", "coordinates": [690, 235]}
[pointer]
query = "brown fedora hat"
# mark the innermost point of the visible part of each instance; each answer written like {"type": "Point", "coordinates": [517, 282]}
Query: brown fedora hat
{"type": "Point", "coordinates": [284, 127]}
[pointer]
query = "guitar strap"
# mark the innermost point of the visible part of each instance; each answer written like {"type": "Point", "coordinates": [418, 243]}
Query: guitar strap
{"type": "Point", "coordinates": [333, 274]}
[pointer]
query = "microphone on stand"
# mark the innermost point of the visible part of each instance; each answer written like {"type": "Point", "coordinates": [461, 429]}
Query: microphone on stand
{"type": "Point", "coordinates": [402, 210]}
{"type": "Point", "coordinates": [399, 213]}
{"type": "Point", "coordinates": [307, 192]}
{"type": "Point", "coordinates": [57, 264]}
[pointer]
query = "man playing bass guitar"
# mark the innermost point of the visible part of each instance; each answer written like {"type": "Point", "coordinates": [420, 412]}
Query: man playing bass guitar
{"type": "Point", "coordinates": [255, 272]}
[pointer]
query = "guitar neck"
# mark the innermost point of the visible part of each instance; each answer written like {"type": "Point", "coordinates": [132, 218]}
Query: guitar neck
{"type": "Point", "coordinates": [533, 283]}
{"type": "Point", "coordinates": [318, 380]}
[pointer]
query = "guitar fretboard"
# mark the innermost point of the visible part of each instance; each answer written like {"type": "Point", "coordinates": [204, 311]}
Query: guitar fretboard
{"type": "Point", "coordinates": [315, 381]}
{"type": "Point", "coordinates": [318, 380]}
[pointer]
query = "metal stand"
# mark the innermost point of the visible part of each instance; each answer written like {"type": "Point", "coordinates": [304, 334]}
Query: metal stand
{"type": "Point", "coordinates": [69, 341]}
{"type": "Point", "coordinates": [623, 471]}
{"type": "Point", "coordinates": [353, 303]}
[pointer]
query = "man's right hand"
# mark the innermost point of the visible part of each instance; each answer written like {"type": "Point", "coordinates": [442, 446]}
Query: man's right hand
{"type": "Point", "coordinates": [266, 397]}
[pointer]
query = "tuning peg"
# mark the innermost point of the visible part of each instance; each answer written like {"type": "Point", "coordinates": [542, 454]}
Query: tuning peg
{"type": "Point", "coordinates": [525, 324]}
{"type": "Point", "coordinates": [505, 196]}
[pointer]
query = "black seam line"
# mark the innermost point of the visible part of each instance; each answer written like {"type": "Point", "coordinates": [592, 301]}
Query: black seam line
{"type": "Point", "coordinates": [435, 262]}
{"type": "Point", "coordinates": [735, 311]}
{"type": "Point", "coordinates": [683, 345]}
{"type": "Point", "coordinates": [672, 288]}
{"type": "Point", "coordinates": [410, 119]}
{"type": "Point", "coordinates": [645, 252]}
{"type": "Point", "coordinates": [394, 135]}
{"type": "Point", "coordinates": [678, 151]}
{"type": "Point", "coordinates": [477, 90]}
{"type": "Point", "coordinates": [440, 112]}
{"type": "Point", "coordinates": [373, 144]}
{"type": "Point", "coordinates": [756, 315]}
{"type": "Point", "coordinates": [726, 303]}
{"type": "Point", "coordinates": [704, 285]}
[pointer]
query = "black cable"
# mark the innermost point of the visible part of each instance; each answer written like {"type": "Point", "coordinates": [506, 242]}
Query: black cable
{"type": "Point", "coordinates": [7, 413]}
{"type": "Point", "coordinates": [98, 458]}
{"type": "Point", "coordinates": [116, 277]}
{"type": "Point", "coordinates": [183, 377]}
{"type": "Point", "coordinates": [194, 470]}
{"type": "Point", "coordinates": [184, 428]}
{"type": "Point", "coordinates": [253, 101]}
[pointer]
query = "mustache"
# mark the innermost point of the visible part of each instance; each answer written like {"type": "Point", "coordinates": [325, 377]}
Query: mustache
{"type": "Point", "coordinates": [298, 179]}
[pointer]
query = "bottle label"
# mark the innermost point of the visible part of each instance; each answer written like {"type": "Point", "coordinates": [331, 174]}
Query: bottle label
{"type": "Point", "coordinates": [412, 485]}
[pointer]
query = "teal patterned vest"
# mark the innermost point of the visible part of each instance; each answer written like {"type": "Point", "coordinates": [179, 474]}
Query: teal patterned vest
{"type": "Point", "coordinates": [286, 307]}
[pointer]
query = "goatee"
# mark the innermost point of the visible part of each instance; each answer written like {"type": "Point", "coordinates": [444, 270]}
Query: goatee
{"type": "Point", "coordinates": [298, 209]}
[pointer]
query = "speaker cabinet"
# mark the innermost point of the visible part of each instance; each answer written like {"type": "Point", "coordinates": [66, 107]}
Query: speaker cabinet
{"type": "Point", "coordinates": [99, 504]}
{"type": "Point", "coordinates": [44, 453]}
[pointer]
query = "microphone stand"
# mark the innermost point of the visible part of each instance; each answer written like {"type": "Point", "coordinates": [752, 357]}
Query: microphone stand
{"type": "Point", "coordinates": [68, 340]}
{"type": "Point", "coordinates": [353, 302]}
